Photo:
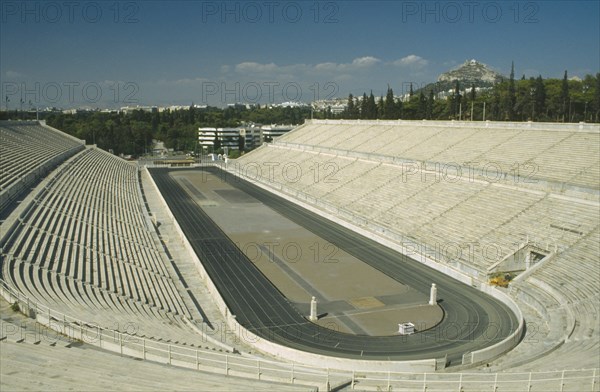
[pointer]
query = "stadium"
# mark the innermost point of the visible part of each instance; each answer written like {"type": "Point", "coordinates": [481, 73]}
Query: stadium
{"type": "Point", "coordinates": [306, 263]}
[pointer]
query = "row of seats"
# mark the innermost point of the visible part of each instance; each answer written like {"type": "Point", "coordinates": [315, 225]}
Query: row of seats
{"type": "Point", "coordinates": [433, 209]}
{"type": "Point", "coordinates": [96, 306]}
{"type": "Point", "coordinates": [527, 153]}
{"type": "Point", "coordinates": [26, 349]}
{"type": "Point", "coordinates": [27, 147]}
{"type": "Point", "coordinates": [84, 248]}
{"type": "Point", "coordinates": [576, 275]}
{"type": "Point", "coordinates": [464, 217]}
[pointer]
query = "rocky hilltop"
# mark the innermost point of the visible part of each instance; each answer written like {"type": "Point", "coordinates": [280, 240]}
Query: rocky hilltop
{"type": "Point", "coordinates": [472, 72]}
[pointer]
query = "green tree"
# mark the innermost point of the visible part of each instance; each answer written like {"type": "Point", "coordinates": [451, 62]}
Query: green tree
{"type": "Point", "coordinates": [191, 118]}
{"type": "Point", "coordinates": [511, 98]}
{"type": "Point", "coordinates": [472, 97]}
{"type": "Point", "coordinates": [216, 143]}
{"type": "Point", "coordinates": [455, 101]}
{"type": "Point", "coordinates": [371, 107]}
{"type": "Point", "coordinates": [390, 109]}
{"type": "Point", "coordinates": [539, 100]}
{"type": "Point", "coordinates": [380, 107]}
{"type": "Point", "coordinates": [430, 105]}
{"type": "Point", "coordinates": [495, 110]}
{"type": "Point", "coordinates": [351, 108]}
{"type": "Point", "coordinates": [241, 142]}
{"type": "Point", "coordinates": [364, 106]}
{"type": "Point", "coordinates": [422, 106]}
{"type": "Point", "coordinates": [399, 108]}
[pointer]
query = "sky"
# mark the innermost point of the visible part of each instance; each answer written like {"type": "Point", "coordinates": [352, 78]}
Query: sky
{"type": "Point", "coordinates": [111, 54]}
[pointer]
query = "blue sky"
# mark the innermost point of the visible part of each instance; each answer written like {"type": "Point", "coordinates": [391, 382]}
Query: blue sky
{"type": "Point", "coordinates": [112, 54]}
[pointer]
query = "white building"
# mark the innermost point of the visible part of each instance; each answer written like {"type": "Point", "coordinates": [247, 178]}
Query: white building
{"type": "Point", "coordinates": [252, 136]}
{"type": "Point", "coordinates": [227, 137]}
{"type": "Point", "coordinates": [269, 132]}
{"type": "Point", "coordinates": [206, 137]}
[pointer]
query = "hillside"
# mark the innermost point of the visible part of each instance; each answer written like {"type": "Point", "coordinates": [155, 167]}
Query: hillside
{"type": "Point", "coordinates": [470, 73]}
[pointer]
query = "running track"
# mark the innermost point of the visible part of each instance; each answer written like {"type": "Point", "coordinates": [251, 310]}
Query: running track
{"type": "Point", "coordinates": [472, 319]}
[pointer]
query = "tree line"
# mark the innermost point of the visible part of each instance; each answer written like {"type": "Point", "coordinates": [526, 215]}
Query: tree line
{"type": "Point", "coordinates": [533, 99]}
{"type": "Point", "coordinates": [132, 133]}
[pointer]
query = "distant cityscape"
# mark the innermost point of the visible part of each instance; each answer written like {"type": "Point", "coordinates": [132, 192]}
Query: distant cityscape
{"type": "Point", "coordinates": [471, 74]}
{"type": "Point", "coordinates": [471, 91]}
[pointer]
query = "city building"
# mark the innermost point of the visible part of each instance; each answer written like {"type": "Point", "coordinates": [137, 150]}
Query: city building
{"type": "Point", "coordinates": [226, 137]}
{"type": "Point", "coordinates": [269, 132]}
{"type": "Point", "coordinates": [252, 136]}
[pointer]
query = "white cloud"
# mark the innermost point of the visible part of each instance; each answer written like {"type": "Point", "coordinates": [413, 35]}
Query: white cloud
{"type": "Point", "coordinates": [272, 68]}
{"type": "Point", "coordinates": [412, 60]}
{"type": "Point", "coordinates": [357, 63]}
{"type": "Point", "coordinates": [180, 82]}
{"type": "Point", "coordinates": [342, 77]}
{"type": "Point", "coordinates": [363, 62]}
{"type": "Point", "coordinates": [326, 67]}
{"type": "Point", "coordinates": [256, 67]}
{"type": "Point", "coordinates": [190, 81]}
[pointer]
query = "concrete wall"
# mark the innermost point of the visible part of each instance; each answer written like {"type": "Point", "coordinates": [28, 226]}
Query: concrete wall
{"type": "Point", "coordinates": [489, 353]}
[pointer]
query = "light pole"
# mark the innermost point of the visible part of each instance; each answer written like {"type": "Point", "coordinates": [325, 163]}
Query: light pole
{"type": "Point", "coordinates": [37, 115]}
{"type": "Point", "coordinates": [570, 104]}
{"type": "Point", "coordinates": [585, 89]}
{"type": "Point", "coordinates": [483, 110]}
{"type": "Point", "coordinates": [532, 96]}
